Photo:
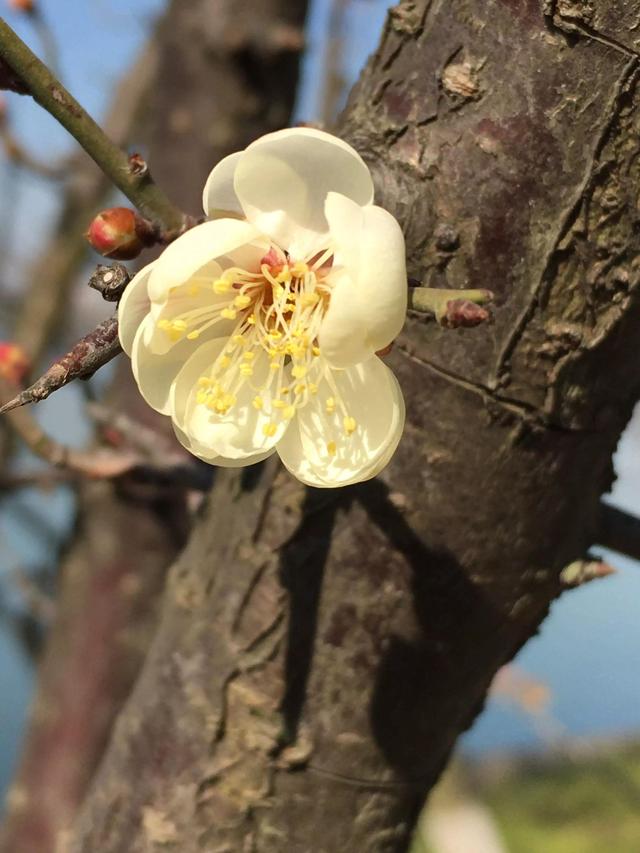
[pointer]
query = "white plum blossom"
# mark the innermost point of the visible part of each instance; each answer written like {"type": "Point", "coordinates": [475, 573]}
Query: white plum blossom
{"type": "Point", "coordinates": [257, 331]}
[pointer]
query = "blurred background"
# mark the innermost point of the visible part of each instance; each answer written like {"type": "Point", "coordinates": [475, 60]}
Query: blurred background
{"type": "Point", "coordinates": [553, 762]}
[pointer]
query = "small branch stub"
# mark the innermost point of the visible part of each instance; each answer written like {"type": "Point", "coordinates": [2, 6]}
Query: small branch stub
{"type": "Point", "coordinates": [453, 309]}
{"type": "Point", "coordinates": [583, 571]}
{"type": "Point", "coordinates": [110, 281]}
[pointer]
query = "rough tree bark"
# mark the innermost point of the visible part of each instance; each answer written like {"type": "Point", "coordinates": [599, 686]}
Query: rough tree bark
{"type": "Point", "coordinates": [320, 652]}
{"type": "Point", "coordinates": [128, 533]}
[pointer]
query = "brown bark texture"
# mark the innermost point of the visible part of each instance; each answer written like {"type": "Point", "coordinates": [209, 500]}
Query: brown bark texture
{"type": "Point", "coordinates": [319, 652]}
{"type": "Point", "coordinates": [128, 533]}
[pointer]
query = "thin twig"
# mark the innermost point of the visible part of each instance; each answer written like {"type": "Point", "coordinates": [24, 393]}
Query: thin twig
{"type": "Point", "coordinates": [130, 174]}
{"type": "Point", "coordinates": [98, 464]}
{"type": "Point", "coordinates": [90, 353]}
{"type": "Point", "coordinates": [18, 155]}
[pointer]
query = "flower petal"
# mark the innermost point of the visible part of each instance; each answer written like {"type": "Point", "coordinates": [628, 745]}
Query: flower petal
{"type": "Point", "coordinates": [133, 307]}
{"type": "Point", "coordinates": [206, 455]}
{"type": "Point", "coordinates": [369, 299]}
{"type": "Point", "coordinates": [184, 385]}
{"type": "Point", "coordinates": [282, 181]}
{"type": "Point", "coordinates": [183, 303]}
{"type": "Point", "coordinates": [198, 252]}
{"type": "Point", "coordinates": [155, 372]}
{"type": "Point", "coordinates": [316, 448]}
{"type": "Point", "coordinates": [240, 433]}
{"type": "Point", "coordinates": [219, 196]}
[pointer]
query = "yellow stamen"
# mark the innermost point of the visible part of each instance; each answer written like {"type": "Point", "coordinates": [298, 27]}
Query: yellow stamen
{"type": "Point", "coordinates": [193, 336]}
{"type": "Point", "coordinates": [269, 429]}
{"type": "Point", "coordinates": [242, 301]}
{"type": "Point", "coordinates": [221, 285]}
{"type": "Point", "coordinates": [330, 405]}
{"type": "Point", "coordinates": [299, 371]}
{"type": "Point", "coordinates": [229, 313]}
{"type": "Point", "coordinates": [350, 425]}
{"type": "Point", "coordinates": [289, 412]}
{"type": "Point", "coordinates": [246, 370]}
{"type": "Point", "coordinates": [331, 448]}
{"type": "Point", "coordinates": [258, 403]}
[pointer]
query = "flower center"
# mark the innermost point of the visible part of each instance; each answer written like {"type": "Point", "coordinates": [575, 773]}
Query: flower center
{"type": "Point", "coordinates": [273, 346]}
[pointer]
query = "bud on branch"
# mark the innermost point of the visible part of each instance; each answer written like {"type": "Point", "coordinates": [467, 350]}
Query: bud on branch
{"type": "Point", "coordinates": [119, 233]}
{"type": "Point", "coordinates": [453, 309]}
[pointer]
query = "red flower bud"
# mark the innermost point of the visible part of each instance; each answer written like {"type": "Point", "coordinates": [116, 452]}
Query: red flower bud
{"type": "Point", "coordinates": [117, 233]}
{"type": "Point", "coordinates": [27, 6]}
{"type": "Point", "coordinates": [14, 362]}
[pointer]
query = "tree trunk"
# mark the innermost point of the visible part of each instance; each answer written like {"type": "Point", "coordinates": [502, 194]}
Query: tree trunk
{"type": "Point", "coordinates": [320, 652]}
{"type": "Point", "coordinates": [245, 75]}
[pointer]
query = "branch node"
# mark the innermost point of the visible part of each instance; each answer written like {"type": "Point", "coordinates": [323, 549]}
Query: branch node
{"type": "Point", "coordinates": [110, 280]}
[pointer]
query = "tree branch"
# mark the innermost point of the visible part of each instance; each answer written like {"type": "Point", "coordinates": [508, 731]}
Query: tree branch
{"type": "Point", "coordinates": [91, 352]}
{"type": "Point", "coordinates": [130, 174]}
{"type": "Point", "coordinates": [619, 531]}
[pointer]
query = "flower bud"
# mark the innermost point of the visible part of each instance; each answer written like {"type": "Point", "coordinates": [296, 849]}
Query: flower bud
{"type": "Point", "coordinates": [14, 362]}
{"type": "Point", "coordinates": [117, 233]}
{"type": "Point", "coordinates": [27, 6]}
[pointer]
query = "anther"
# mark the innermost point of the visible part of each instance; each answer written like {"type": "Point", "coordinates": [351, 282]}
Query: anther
{"type": "Point", "coordinates": [221, 285]}
{"type": "Point", "coordinates": [350, 425]}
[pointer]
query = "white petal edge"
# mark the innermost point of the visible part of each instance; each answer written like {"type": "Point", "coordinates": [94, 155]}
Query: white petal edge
{"type": "Point", "coordinates": [374, 398]}
{"type": "Point", "coordinates": [369, 300]}
{"type": "Point", "coordinates": [197, 252]}
{"type": "Point", "coordinates": [133, 307]}
{"type": "Point", "coordinates": [282, 181]}
{"type": "Point", "coordinates": [205, 455]}
{"type": "Point", "coordinates": [219, 195]}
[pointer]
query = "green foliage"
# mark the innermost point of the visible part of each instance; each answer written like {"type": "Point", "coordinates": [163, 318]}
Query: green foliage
{"type": "Point", "coordinates": [583, 806]}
